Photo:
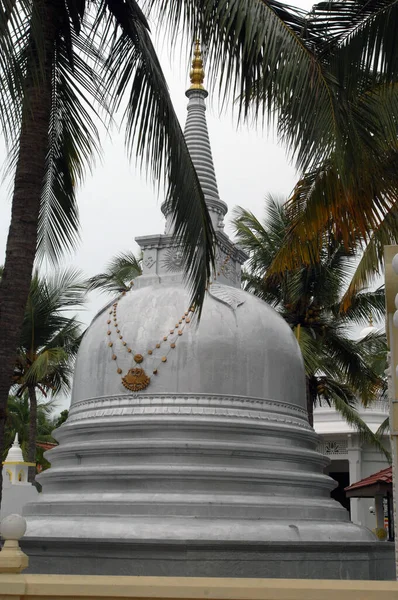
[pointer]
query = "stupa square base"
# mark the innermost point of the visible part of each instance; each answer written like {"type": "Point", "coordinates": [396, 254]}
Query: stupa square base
{"type": "Point", "coordinates": [290, 560]}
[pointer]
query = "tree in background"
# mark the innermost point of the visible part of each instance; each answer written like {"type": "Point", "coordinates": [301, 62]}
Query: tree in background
{"type": "Point", "coordinates": [18, 421]}
{"type": "Point", "coordinates": [49, 342]}
{"type": "Point", "coordinates": [118, 275]}
{"type": "Point", "coordinates": [352, 189]}
{"type": "Point", "coordinates": [339, 370]}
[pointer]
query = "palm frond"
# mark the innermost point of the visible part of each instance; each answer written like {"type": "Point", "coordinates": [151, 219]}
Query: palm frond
{"type": "Point", "coordinates": [73, 145]}
{"type": "Point", "coordinates": [384, 427]}
{"type": "Point", "coordinates": [350, 414]}
{"type": "Point", "coordinates": [260, 51]}
{"type": "Point", "coordinates": [365, 30]}
{"type": "Point", "coordinates": [119, 274]}
{"type": "Point", "coordinates": [363, 305]}
{"type": "Point", "coordinates": [152, 128]}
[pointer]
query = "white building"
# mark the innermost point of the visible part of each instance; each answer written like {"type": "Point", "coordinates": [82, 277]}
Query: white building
{"type": "Point", "coordinates": [351, 459]}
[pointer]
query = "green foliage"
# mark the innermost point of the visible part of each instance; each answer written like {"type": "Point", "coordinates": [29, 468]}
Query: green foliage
{"type": "Point", "coordinates": [118, 275]}
{"type": "Point", "coordinates": [18, 417]}
{"type": "Point", "coordinates": [352, 191]}
{"type": "Point", "coordinates": [103, 59]}
{"type": "Point", "coordinates": [50, 338]}
{"type": "Point", "coordinates": [339, 369]}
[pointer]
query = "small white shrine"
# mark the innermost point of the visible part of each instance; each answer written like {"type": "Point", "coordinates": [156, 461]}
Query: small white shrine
{"type": "Point", "coordinates": [17, 490]}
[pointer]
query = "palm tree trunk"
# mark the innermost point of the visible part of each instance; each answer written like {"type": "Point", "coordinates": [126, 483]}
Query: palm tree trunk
{"type": "Point", "coordinates": [310, 403]}
{"type": "Point", "coordinates": [29, 174]}
{"type": "Point", "coordinates": [32, 431]}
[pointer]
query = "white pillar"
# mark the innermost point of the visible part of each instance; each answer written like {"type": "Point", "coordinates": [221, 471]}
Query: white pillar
{"type": "Point", "coordinates": [379, 510]}
{"type": "Point", "coordinates": [391, 279]}
{"type": "Point", "coordinates": [354, 460]}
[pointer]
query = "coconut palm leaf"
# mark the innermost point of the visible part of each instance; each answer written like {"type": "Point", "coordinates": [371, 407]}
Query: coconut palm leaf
{"type": "Point", "coordinates": [119, 274]}
{"type": "Point", "coordinates": [364, 29]}
{"type": "Point", "coordinates": [384, 427]}
{"type": "Point", "coordinates": [152, 128]}
{"type": "Point", "coordinates": [259, 52]}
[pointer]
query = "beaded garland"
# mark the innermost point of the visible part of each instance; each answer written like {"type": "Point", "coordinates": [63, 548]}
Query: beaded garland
{"type": "Point", "coordinates": [136, 378]}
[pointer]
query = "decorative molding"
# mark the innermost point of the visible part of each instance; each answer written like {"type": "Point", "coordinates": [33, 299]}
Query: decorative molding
{"type": "Point", "coordinates": [182, 406]}
{"type": "Point", "coordinates": [226, 294]}
{"type": "Point", "coordinates": [149, 261]}
{"type": "Point", "coordinates": [173, 260]}
{"type": "Point", "coordinates": [334, 447]}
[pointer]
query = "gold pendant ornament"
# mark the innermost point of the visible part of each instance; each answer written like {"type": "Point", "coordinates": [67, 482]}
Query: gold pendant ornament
{"type": "Point", "coordinates": [136, 379]}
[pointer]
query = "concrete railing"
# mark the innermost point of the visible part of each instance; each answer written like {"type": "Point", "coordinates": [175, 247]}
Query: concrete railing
{"type": "Point", "coordinates": [16, 585]}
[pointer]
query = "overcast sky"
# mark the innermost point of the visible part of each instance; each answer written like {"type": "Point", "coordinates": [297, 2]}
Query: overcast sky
{"type": "Point", "coordinates": [117, 203]}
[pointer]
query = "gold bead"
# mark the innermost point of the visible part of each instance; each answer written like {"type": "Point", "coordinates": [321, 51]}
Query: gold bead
{"type": "Point", "coordinates": [165, 338]}
{"type": "Point", "coordinates": [119, 370]}
{"type": "Point", "coordinates": [186, 313]}
{"type": "Point", "coordinates": [176, 324]}
{"type": "Point", "coordinates": [157, 345]}
{"type": "Point", "coordinates": [171, 330]}
{"type": "Point", "coordinates": [114, 357]}
{"type": "Point", "coordinates": [108, 333]}
{"type": "Point", "coordinates": [117, 330]}
{"type": "Point", "coordinates": [115, 304]}
{"type": "Point", "coordinates": [138, 358]}
{"type": "Point", "coordinates": [110, 312]}
{"type": "Point", "coordinates": [128, 349]}
{"type": "Point", "coordinates": [149, 351]}
{"type": "Point", "coordinates": [155, 371]}
{"type": "Point", "coordinates": [187, 320]}
{"type": "Point", "coordinates": [108, 321]}
{"type": "Point", "coordinates": [179, 332]}
{"type": "Point", "coordinates": [164, 358]}
{"type": "Point", "coordinates": [183, 318]}
{"type": "Point", "coordinates": [180, 321]}
{"type": "Point", "coordinates": [120, 337]}
{"type": "Point", "coordinates": [172, 345]}
{"type": "Point", "coordinates": [110, 344]}
{"type": "Point", "coordinates": [124, 343]}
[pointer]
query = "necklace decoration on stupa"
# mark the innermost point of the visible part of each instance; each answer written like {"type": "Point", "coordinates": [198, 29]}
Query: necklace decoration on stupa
{"type": "Point", "coordinates": [136, 379]}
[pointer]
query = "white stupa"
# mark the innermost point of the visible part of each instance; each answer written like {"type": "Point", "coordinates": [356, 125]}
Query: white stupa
{"type": "Point", "coordinates": [187, 450]}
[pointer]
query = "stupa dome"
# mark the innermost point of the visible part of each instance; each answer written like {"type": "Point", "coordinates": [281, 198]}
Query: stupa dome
{"type": "Point", "coordinates": [240, 347]}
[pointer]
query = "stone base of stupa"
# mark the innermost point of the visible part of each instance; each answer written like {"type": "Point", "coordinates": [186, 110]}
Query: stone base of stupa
{"type": "Point", "coordinates": [291, 560]}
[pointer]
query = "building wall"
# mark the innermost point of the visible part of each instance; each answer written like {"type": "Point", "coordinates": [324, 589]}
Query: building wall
{"type": "Point", "coordinates": [15, 496]}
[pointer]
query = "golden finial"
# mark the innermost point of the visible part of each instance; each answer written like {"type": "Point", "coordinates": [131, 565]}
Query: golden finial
{"type": "Point", "coordinates": [197, 73]}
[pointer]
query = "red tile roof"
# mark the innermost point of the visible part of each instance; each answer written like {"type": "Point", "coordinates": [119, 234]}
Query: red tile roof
{"type": "Point", "coordinates": [383, 476]}
{"type": "Point", "coordinates": [46, 445]}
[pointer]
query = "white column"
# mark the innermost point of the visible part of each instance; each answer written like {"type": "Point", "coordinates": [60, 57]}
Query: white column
{"type": "Point", "coordinates": [355, 472]}
{"type": "Point", "coordinates": [391, 279]}
{"type": "Point", "coordinates": [379, 510]}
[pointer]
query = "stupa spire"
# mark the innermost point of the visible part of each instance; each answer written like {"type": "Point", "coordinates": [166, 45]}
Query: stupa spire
{"type": "Point", "coordinates": [197, 73]}
{"type": "Point", "coordinates": [198, 142]}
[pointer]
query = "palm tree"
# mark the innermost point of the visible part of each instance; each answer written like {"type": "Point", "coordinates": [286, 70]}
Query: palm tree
{"type": "Point", "coordinates": [49, 343]}
{"type": "Point", "coordinates": [118, 275]}
{"type": "Point", "coordinates": [18, 421]}
{"type": "Point", "coordinates": [352, 191]}
{"type": "Point", "coordinates": [338, 368]}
